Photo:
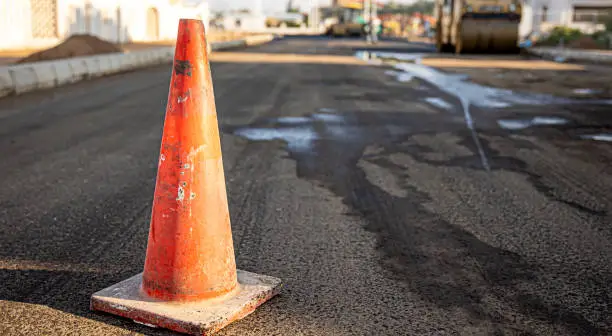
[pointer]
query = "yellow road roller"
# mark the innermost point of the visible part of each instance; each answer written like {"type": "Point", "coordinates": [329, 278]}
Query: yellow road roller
{"type": "Point", "coordinates": [478, 26]}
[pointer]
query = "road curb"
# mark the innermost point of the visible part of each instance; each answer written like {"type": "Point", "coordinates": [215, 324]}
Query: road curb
{"type": "Point", "coordinates": [27, 77]}
{"type": "Point", "coordinates": [572, 55]}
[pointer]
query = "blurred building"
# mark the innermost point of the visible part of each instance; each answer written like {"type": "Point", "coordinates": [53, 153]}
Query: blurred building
{"type": "Point", "coordinates": [43, 23]}
{"type": "Point", "coordinates": [244, 21]}
{"type": "Point", "coordinates": [586, 15]}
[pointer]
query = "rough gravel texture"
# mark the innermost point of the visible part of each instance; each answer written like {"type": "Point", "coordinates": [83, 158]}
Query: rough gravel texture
{"type": "Point", "coordinates": [375, 210]}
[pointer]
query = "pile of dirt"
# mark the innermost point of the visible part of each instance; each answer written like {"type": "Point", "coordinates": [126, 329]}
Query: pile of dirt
{"type": "Point", "coordinates": [74, 46]}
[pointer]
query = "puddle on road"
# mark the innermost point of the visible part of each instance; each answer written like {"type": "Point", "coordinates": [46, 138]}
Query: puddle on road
{"type": "Point", "coordinates": [400, 76]}
{"type": "Point", "coordinates": [367, 56]}
{"type": "Point", "coordinates": [292, 120]}
{"type": "Point", "coordinates": [439, 102]}
{"type": "Point", "coordinates": [408, 67]}
{"type": "Point", "coordinates": [520, 124]}
{"type": "Point", "coordinates": [330, 118]}
{"type": "Point", "coordinates": [300, 133]}
{"type": "Point", "coordinates": [455, 85]}
{"type": "Point", "coordinates": [475, 94]}
{"type": "Point", "coordinates": [607, 137]}
{"type": "Point", "coordinates": [298, 139]}
{"type": "Point", "coordinates": [381, 56]}
{"type": "Point", "coordinates": [587, 91]}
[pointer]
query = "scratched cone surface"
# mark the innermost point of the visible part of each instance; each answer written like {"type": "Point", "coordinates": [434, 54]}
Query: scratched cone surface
{"type": "Point", "coordinates": [190, 253]}
{"type": "Point", "coordinates": [190, 283]}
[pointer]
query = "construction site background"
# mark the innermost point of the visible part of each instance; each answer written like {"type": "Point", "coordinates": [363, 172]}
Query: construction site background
{"type": "Point", "coordinates": [412, 26]}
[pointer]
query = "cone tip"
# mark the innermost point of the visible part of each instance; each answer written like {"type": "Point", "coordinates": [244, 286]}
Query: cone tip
{"type": "Point", "coordinates": [190, 21]}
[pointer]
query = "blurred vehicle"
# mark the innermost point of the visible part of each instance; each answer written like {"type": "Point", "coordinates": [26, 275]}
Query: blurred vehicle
{"type": "Point", "coordinates": [284, 20]}
{"type": "Point", "coordinates": [345, 18]}
{"type": "Point", "coordinates": [465, 26]}
{"type": "Point", "coordinates": [343, 21]}
{"type": "Point", "coordinates": [392, 28]}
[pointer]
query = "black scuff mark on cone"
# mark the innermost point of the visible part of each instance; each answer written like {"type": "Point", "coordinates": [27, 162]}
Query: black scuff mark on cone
{"type": "Point", "coordinates": [182, 67]}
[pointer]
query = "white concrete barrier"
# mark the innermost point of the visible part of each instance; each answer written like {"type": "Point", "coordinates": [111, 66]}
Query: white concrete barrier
{"type": "Point", "coordinates": [93, 66]}
{"type": "Point", "coordinates": [228, 45]}
{"type": "Point", "coordinates": [304, 31]}
{"type": "Point", "coordinates": [106, 67]}
{"type": "Point", "coordinates": [6, 82]}
{"type": "Point", "coordinates": [45, 73]}
{"type": "Point", "coordinates": [143, 58]}
{"type": "Point", "coordinates": [146, 57]}
{"type": "Point", "coordinates": [79, 69]}
{"type": "Point", "coordinates": [25, 77]}
{"type": "Point", "coordinates": [163, 55]}
{"type": "Point", "coordinates": [258, 39]}
{"type": "Point", "coordinates": [115, 62]}
{"type": "Point", "coordinates": [133, 59]}
{"type": "Point", "coordinates": [63, 73]}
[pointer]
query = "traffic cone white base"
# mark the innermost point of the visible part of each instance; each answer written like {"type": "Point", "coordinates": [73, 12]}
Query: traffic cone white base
{"type": "Point", "coordinates": [196, 318]}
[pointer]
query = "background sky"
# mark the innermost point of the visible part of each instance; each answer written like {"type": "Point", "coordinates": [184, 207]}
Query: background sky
{"type": "Point", "coordinates": [270, 6]}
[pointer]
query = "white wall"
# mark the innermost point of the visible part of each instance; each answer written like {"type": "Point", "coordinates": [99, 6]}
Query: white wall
{"type": "Point", "coordinates": [15, 21]}
{"type": "Point", "coordinates": [560, 13]}
{"type": "Point", "coordinates": [247, 22]}
{"type": "Point", "coordinates": [130, 24]}
{"type": "Point", "coordinates": [589, 2]}
{"type": "Point", "coordinates": [72, 18]}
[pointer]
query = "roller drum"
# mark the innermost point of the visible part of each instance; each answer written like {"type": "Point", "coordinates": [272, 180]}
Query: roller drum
{"type": "Point", "coordinates": [490, 36]}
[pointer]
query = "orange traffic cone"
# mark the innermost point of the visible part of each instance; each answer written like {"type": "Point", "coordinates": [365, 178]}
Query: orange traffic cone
{"type": "Point", "coordinates": [190, 283]}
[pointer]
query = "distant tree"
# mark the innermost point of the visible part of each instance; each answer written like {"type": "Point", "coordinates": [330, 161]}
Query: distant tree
{"type": "Point", "coordinates": [607, 20]}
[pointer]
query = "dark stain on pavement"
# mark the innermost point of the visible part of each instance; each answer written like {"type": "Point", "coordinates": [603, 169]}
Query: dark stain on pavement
{"type": "Point", "coordinates": [76, 201]}
{"type": "Point", "coordinates": [502, 162]}
{"type": "Point", "coordinates": [442, 262]}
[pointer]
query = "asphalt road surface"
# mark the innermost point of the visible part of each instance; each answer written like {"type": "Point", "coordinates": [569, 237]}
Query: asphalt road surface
{"type": "Point", "coordinates": [388, 207]}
